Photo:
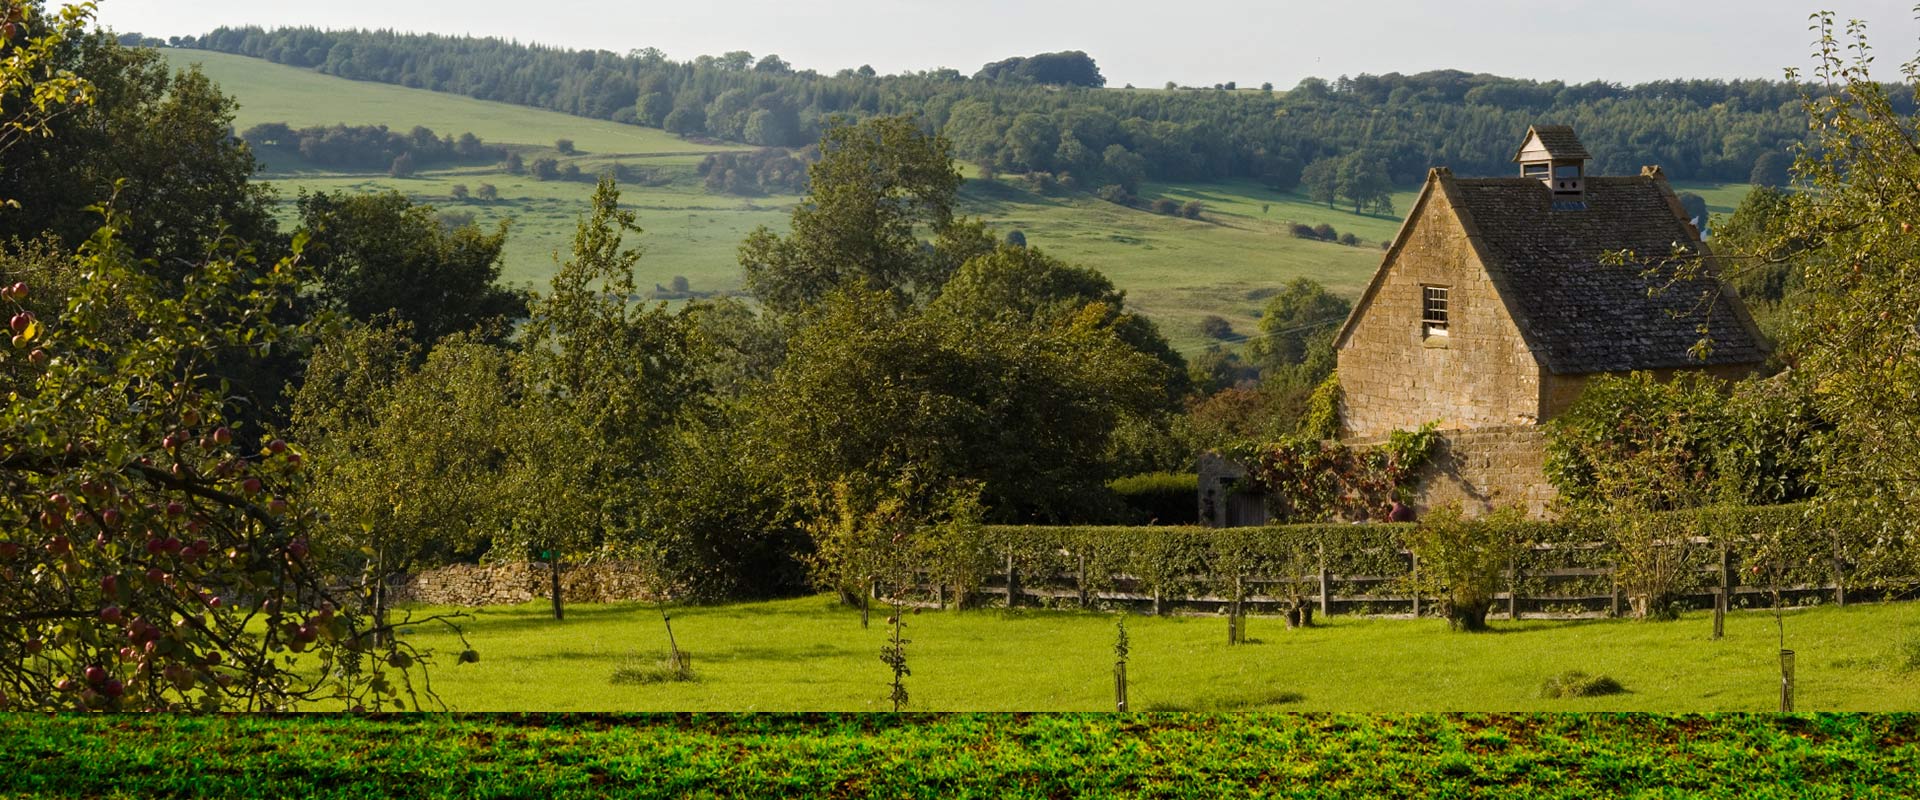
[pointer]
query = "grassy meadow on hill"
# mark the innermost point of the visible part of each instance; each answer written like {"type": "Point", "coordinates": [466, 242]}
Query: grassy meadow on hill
{"type": "Point", "coordinates": [1178, 271]}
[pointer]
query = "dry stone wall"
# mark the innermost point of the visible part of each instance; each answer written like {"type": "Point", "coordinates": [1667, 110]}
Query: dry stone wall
{"type": "Point", "coordinates": [1488, 467]}
{"type": "Point", "coordinates": [511, 583]}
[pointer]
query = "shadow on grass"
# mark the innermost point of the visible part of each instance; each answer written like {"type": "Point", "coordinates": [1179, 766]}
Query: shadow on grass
{"type": "Point", "coordinates": [1247, 702]}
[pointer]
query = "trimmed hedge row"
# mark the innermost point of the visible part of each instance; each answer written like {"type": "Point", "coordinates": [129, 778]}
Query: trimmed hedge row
{"type": "Point", "coordinates": [1189, 562]}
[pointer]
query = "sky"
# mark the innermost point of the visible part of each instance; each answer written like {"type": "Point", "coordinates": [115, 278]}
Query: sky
{"type": "Point", "coordinates": [1191, 42]}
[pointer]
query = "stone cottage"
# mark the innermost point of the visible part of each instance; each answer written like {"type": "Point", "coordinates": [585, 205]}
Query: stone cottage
{"type": "Point", "coordinates": [1495, 306]}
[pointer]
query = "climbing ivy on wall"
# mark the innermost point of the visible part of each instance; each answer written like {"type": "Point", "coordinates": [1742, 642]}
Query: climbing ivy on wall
{"type": "Point", "coordinates": [1316, 480]}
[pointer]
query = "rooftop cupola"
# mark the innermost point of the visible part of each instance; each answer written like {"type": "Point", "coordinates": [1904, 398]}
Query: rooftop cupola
{"type": "Point", "coordinates": [1555, 157]}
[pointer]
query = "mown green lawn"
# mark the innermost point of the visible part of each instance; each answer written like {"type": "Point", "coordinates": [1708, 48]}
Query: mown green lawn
{"type": "Point", "coordinates": [810, 654]}
{"type": "Point", "coordinates": [963, 756]}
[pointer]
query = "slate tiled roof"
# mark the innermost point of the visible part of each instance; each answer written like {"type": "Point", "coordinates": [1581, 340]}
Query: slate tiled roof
{"type": "Point", "coordinates": [1580, 314]}
{"type": "Point", "coordinates": [1560, 142]}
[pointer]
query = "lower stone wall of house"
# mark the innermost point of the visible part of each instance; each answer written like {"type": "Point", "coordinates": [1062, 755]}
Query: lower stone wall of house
{"type": "Point", "coordinates": [519, 582]}
{"type": "Point", "coordinates": [1485, 468]}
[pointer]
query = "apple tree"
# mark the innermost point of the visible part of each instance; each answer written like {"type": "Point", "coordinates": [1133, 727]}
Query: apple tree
{"type": "Point", "coordinates": [152, 557]}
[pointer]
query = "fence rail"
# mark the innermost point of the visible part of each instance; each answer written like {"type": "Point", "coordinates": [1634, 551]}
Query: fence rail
{"type": "Point", "coordinates": [1549, 593]}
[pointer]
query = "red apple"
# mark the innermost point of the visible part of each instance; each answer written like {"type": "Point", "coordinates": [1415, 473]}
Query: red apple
{"type": "Point", "coordinates": [110, 517]}
{"type": "Point", "coordinates": [113, 688]}
{"type": "Point", "coordinates": [112, 615]}
{"type": "Point", "coordinates": [222, 436]}
{"type": "Point", "coordinates": [277, 506]}
{"type": "Point", "coordinates": [20, 322]}
{"type": "Point", "coordinates": [109, 584]}
{"type": "Point", "coordinates": [38, 358]}
{"type": "Point", "coordinates": [94, 674]}
{"type": "Point", "coordinates": [276, 447]}
{"type": "Point", "coordinates": [176, 508]}
{"type": "Point", "coordinates": [59, 501]}
{"type": "Point", "coordinates": [59, 546]}
{"type": "Point", "coordinates": [250, 486]}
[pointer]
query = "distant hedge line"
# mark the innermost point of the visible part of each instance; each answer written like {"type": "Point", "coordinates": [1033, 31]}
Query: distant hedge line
{"type": "Point", "coordinates": [1186, 561]}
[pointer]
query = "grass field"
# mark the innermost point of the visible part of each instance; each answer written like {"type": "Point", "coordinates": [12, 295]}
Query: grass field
{"type": "Point", "coordinates": [964, 756]}
{"type": "Point", "coordinates": [810, 655]}
{"type": "Point", "coordinates": [1177, 271]}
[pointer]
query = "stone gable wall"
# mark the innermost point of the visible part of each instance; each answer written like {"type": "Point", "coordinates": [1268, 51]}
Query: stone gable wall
{"type": "Point", "coordinates": [1393, 377]}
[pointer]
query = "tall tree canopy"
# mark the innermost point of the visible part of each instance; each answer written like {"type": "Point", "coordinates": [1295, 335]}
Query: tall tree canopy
{"type": "Point", "coordinates": [382, 254]}
{"type": "Point", "coordinates": [878, 186]}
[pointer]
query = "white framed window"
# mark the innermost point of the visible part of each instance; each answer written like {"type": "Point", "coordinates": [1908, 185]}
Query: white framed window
{"type": "Point", "coordinates": [1433, 310]}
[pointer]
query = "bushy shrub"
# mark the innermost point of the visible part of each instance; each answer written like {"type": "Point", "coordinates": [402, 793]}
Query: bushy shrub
{"type": "Point", "coordinates": [1326, 232]}
{"type": "Point", "coordinates": [1349, 239]}
{"type": "Point", "coordinates": [1464, 561]}
{"type": "Point", "coordinates": [1301, 230]}
{"type": "Point", "coordinates": [1216, 327]}
{"type": "Point", "coordinates": [1192, 209]}
{"type": "Point", "coordinates": [1166, 206]}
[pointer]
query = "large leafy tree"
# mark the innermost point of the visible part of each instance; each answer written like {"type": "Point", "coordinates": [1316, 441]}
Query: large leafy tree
{"type": "Point", "coordinates": [613, 377]}
{"type": "Point", "coordinates": [409, 460]}
{"type": "Point", "coordinates": [1296, 332]}
{"type": "Point", "coordinates": [382, 254]}
{"type": "Point", "coordinates": [1854, 335]}
{"type": "Point", "coordinates": [880, 185]}
{"type": "Point", "coordinates": [151, 140]}
{"type": "Point", "coordinates": [153, 557]}
{"type": "Point", "coordinates": [1022, 402]}
{"type": "Point", "coordinates": [35, 88]}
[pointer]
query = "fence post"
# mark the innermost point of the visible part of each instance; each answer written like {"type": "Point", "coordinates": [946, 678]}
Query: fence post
{"type": "Point", "coordinates": [1080, 579]}
{"type": "Point", "coordinates": [1839, 578]}
{"type": "Point", "coordinates": [1719, 613]}
{"type": "Point", "coordinates": [1416, 580]}
{"type": "Point", "coordinates": [1326, 605]}
{"type": "Point", "coordinates": [1513, 590]}
{"type": "Point", "coordinates": [1613, 590]}
{"type": "Point", "coordinates": [1120, 685]}
{"type": "Point", "coordinates": [940, 594]}
{"type": "Point", "coordinates": [1013, 584]}
{"type": "Point", "coordinates": [1156, 601]}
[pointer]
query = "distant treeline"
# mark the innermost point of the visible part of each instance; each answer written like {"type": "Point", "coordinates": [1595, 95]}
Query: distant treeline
{"type": "Point", "coordinates": [1006, 119]}
{"type": "Point", "coordinates": [370, 146]}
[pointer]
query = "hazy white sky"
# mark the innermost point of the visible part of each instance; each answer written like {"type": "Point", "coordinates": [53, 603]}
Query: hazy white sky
{"type": "Point", "coordinates": [1144, 43]}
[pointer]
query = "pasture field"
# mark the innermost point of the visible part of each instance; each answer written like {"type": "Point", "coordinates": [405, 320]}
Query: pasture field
{"type": "Point", "coordinates": [810, 654]}
{"type": "Point", "coordinates": [962, 756]}
{"type": "Point", "coordinates": [1177, 271]}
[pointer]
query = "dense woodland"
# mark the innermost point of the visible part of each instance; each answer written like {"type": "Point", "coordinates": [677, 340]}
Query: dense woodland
{"type": "Point", "coordinates": [1044, 114]}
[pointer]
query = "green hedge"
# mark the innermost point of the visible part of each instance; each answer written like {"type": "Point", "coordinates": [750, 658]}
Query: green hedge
{"type": "Point", "coordinates": [1168, 498]}
{"type": "Point", "coordinates": [1186, 561]}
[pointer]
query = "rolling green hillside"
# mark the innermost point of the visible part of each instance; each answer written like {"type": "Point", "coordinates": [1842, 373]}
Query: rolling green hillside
{"type": "Point", "coordinates": [1176, 270]}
